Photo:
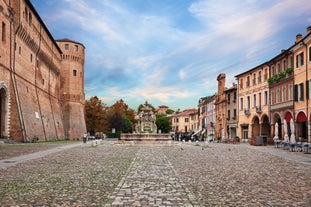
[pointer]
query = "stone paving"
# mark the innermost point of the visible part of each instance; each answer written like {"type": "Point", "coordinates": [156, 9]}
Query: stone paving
{"type": "Point", "coordinates": [151, 181]}
{"type": "Point", "coordinates": [184, 174]}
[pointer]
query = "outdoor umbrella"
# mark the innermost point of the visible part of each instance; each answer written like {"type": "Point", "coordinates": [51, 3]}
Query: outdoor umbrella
{"type": "Point", "coordinates": [276, 131]}
{"type": "Point", "coordinates": [292, 128]}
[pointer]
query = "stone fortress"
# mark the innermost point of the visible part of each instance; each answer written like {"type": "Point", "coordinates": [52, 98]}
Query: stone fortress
{"type": "Point", "coordinates": [41, 79]}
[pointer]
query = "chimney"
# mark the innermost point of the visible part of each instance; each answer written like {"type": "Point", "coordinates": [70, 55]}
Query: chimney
{"type": "Point", "coordinates": [298, 38]}
{"type": "Point", "coordinates": [308, 30]}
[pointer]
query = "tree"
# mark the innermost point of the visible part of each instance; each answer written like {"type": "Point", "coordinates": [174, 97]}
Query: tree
{"type": "Point", "coordinates": [121, 117]}
{"type": "Point", "coordinates": [95, 115]}
{"type": "Point", "coordinates": [169, 111]}
{"type": "Point", "coordinates": [163, 123]}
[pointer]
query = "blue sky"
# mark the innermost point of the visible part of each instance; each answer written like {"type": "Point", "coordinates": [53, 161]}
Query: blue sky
{"type": "Point", "coordinates": [170, 52]}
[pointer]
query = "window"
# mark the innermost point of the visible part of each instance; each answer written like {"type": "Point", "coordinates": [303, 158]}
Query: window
{"type": "Point", "coordinates": [283, 94]}
{"type": "Point", "coordinates": [248, 102]}
{"type": "Point", "coordinates": [290, 91]}
{"type": "Point", "coordinates": [186, 119]}
{"type": "Point", "coordinates": [30, 19]}
{"type": "Point", "coordinates": [266, 74]}
{"type": "Point", "coordinates": [247, 81]}
{"type": "Point", "coordinates": [272, 97]}
{"type": "Point", "coordinates": [266, 98]}
{"type": "Point", "coordinates": [278, 95]}
{"type": "Point", "coordinates": [298, 92]}
{"type": "Point", "coordinates": [19, 50]}
{"type": "Point", "coordinates": [299, 60]}
{"type": "Point", "coordinates": [308, 85]}
{"type": "Point", "coordinates": [278, 68]}
{"type": "Point", "coordinates": [259, 77]}
{"type": "Point", "coordinates": [241, 104]}
{"type": "Point", "coordinates": [228, 117]}
{"type": "Point", "coordinates": [310, 53]}
{"type": "Point", "coordinates": [234, 113]}
{"type": "Point", "coordinates": [3, 32]}
{"type": "Point", "coordinates": [254, 79]}
{"type": "Point", "coordinates": [259, 99]}
{"type": "Point", "coordinates": [66, 46]}
{"type": "Point", "coordinates": [76, 48]}
{"type": "Point", "coordinates": [284, 65]}
{"type": "Point", "coordinates": [31, 58]}
{"type": "Point", "coordinates": [228, 97]}
{"type": "Point", "coordinates": [241, 83]}
{"type": "Point", "coordinates": [255, 104]}
{"type": "Point", "coordinates": [272, 71]}
{"type": "Point", "coordinates": [234, 96]}
{"type": "Point", "coordinates": [74, 72]}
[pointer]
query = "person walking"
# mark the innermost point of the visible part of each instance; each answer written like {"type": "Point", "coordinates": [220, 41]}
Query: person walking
{"type": "Point", "coordinates": [84, 137]}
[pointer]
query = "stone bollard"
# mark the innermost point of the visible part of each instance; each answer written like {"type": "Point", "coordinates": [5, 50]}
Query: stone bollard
{"type": "Point", "coordinates": [94, 144]}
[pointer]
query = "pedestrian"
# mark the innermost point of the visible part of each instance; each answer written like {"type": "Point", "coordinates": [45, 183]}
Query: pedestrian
{"type": "Point", "coordinates": [84, 137]}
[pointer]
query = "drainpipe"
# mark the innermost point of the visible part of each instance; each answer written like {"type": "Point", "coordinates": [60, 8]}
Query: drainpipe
{"type": "Point", "coordinates": [14, 85]}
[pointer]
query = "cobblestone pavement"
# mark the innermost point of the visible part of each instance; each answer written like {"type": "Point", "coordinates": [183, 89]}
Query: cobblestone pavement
{"type": "Point", "coordinates": [188, 174]}
{"type": "Point", "coordinates": [151, 181]}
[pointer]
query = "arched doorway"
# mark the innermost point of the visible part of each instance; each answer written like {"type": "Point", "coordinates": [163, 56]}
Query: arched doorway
{"type": "Point", "coordinates": [265, 126]}
{"type": "Point", "coordinates": [301, 127]}
{"type": "Point", "coordinates": [3, 113]}
{"type": "Point", "coordinates": [256, 127]}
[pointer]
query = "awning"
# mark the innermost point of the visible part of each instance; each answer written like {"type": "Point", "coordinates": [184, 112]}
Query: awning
{"type": "Point", "coordinates": [301, 117]}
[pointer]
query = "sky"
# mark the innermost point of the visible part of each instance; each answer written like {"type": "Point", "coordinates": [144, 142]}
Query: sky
{"type": "Point", "coordinates": [170, 52]}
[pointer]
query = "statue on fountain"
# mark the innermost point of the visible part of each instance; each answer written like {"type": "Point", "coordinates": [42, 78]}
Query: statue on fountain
{"type": "Point", "coordinates": [146, 120]}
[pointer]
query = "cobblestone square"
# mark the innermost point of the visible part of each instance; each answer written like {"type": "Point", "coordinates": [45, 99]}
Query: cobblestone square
{"type": "Point", "coordinates": [184, 174]}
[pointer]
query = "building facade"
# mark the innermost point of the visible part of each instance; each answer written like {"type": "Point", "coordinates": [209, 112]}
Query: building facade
{"type": "Point", "coordinates": [38, 95]}
{"type": "Point", "coordinates": [231, 96]}
{"type": "Point", "coordinates": [302, 68]}
{"type": "Point", "coordinates": [253, 103]}
{"type": "Point", "coordinates": [281, 84]}
{"type": "Point", "coordinates": [185, 121]}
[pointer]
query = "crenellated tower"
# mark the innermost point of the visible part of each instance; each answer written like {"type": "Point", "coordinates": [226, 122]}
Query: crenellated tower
{"type": "Point", "coordinates": [72, 96]}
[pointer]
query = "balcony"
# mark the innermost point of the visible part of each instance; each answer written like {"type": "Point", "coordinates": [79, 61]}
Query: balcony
{"type": "Point", "coordinates": [247, 112]}
{"type": "Point", "coordinates": [258, 109]}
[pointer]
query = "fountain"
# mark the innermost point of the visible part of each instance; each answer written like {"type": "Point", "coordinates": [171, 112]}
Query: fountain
{"type": "Point", "coordinates": [145, 130]}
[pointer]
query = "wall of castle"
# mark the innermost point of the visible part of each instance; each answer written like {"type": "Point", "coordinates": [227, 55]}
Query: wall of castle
{"type": "Point", "coordinates": [40, 88]}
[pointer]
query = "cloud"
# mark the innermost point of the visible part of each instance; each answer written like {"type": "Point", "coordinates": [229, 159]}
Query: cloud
{"type": "Point", "coordinates": [172, 53]}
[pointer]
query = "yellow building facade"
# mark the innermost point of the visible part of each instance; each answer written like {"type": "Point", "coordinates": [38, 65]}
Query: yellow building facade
{"type": "Point", "coordinates": [302, 94]}
{"type": "Point", "coordinates": [253, 103]}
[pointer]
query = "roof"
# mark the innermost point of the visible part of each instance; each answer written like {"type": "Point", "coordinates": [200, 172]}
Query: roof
{"type": "Point", "coordinates": [254, 68]}
{"type": "Point", "coordinates": [186, 112]}
{"type": "Point", "coordinates": [69, 40]}
{"type": "Point", "coordinates": [42, 23]}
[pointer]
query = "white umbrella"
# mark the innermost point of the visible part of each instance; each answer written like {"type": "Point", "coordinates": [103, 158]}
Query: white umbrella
{"type": "Point", "coordinates": [286, 138]}
{"type": "Point", "coordinates": [276, 131]}
{"type": "Point", "coordinates": [292, 128]}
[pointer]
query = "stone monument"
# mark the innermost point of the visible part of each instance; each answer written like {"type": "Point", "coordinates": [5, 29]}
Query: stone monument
{"type": "Point", "coordinates": [145, 131]}
{"type": "Point", "coordinates": [146, 120]}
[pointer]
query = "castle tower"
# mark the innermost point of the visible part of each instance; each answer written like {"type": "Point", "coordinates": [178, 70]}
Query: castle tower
{"type": "Point", "coordinates": [72, 87]}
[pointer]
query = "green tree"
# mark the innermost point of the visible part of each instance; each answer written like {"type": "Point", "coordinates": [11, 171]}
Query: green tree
{"type": "Point", "coordinates": [163, 123]}
{"type": "Point", "coordinates": [169, 111]}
